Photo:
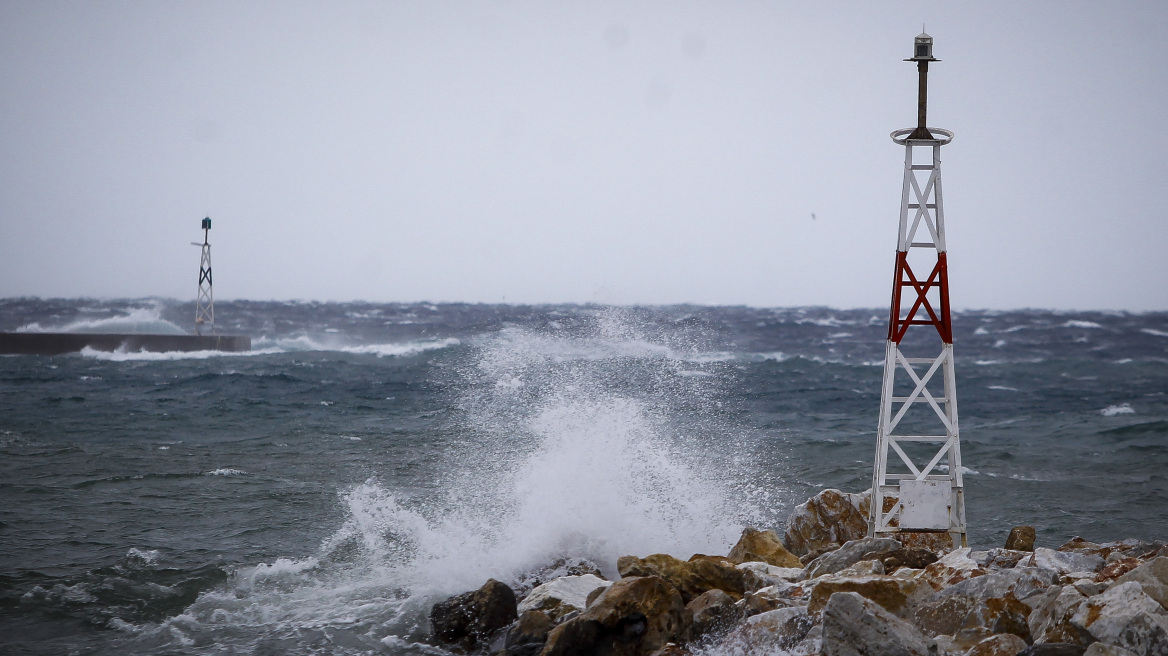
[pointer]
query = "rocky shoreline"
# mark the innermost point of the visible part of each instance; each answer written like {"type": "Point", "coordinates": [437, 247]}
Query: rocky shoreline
{"type": "Point", "coordinates": [823, 588]}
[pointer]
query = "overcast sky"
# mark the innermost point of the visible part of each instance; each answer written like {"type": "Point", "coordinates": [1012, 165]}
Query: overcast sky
{"type": "Point", "coordinates": [610, 152]}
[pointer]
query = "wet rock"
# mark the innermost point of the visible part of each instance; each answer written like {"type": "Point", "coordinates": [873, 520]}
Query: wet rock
{"type": "Point", "coordinates": [897, 596]}
{"type": "Point", "coordinates": [561, 596]}
{"type": "Point", "coordinates": [532, 627]}
{"type": "Point", "coordinates": [781, 595]}
{"type": "Point", "coordinates": [1117, 568]}
{"type": "Point", "coordinates": [826, 518]}
{"type": "Point", "coordinates": [771, 632]}
{"type": "Point", "coordinates": [690, 578]}
{"type": "Point", "coordinates": [853, 625]}
{"type": "Point", "coordinates": [769, 574]}
{"type": "Point", "coordinates": [633, 617]}
{"type": "Point", "coordinates": [1000, 615]}
{"type": "Point", "coordinates": [1005, 644]}
{"type": "Point", "coordinates": [908, 557]}
{"type": "Point", "coordinates": [946, 611]}
{"type": "Point", "coordinates": [1021, 538]}
{"type": "Point", "coordinates": [1050, 619]}
{"type": "Point", "coordinates": [554, 570]}
{"type": "Point", "coordinates": [1152, 577]}
{"type": "Point", "coordinates": [852, 552]}
{"type": "Point", "coordinates": [1063, 562]}
{"type": "Point", "coordinates": [471, 617]}
{"type": "Point", "coordinates": [671, 649]}
{"type": "Point", "coordinates": [952, 568]}
{"type": "Point", "coordinates": [1053, 649]}
{"type": "Point", "coordinates": [1126, 617]}
{"type": "Point", "coordinates": [762, 546]}
{"type": "Point", "coordinates": [713, 612]}
{"type": "Point", "coordinates": [1100, 649]}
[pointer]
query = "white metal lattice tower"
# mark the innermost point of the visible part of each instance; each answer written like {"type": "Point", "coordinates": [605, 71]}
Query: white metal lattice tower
{"type": "Point", "coordinates": [921, 489]}
{"type": "Point", "coordinates": [204, 301]}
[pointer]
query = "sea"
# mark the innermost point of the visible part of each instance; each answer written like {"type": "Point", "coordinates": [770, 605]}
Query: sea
{"type": "Point", "coordinates": [319, 494]}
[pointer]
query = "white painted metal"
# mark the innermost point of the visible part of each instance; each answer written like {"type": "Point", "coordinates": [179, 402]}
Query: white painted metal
{"type": "Point", "coordinates": [204, 301]}
{"type": "Point", "coordinates": [927, 489]}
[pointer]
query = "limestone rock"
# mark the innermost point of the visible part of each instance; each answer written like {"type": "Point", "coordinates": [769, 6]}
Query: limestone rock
{"type": "Point", "coordinates": [1005, 644]}
{"type": "Point", "coordinates": [1063, 562]}
{"type": "Point", "coordinates": [762, 546]}
{"type": "Point", "coordinates": [897, 596]}
{"type": "Point", "coordinates": [1113, 569]}
{"type": "Point", "coordinates": [828, 517]}
{"type": "Point", "coordinates": [471, 617]}
{"type": "Point", "coordinates": [690, 578]}
{"type": "Point", "coordinates": [855, 626]}
{"type": "Point", "coordinates": [994, 616]}
{"type": "Point", "coordinates": [1126, 617]}
{"type": "Point", "coordinates": [532, 627]}
{"type": "Point", "coordinates": [1153, 577]}
{"type": "Point", "coordinates": [776, 631]}
{"type": "Point", "coordinates": [1050, 621]}
{"type": "Point", "coordinates": [561, 596]}
{"type": "Point", "coordinates": [934, 542]}
{"type": "Point", "coordinates": [912, 558]}
{"type": "Point", "coordinates": [952, 568]}
{"type": "Point", "coordinates": [1100, 649]}
{"type": "Point", "coordinates": [852, 552]}
{"type": "Point", "coordinates": [1089, 587]}
{"type": "Point", "coordinates": [771, 575]}
{"type": "Point", "coordinates": [633, 617]}
{"type": "Point", "coordinates": [981, 599]}
{"type": "Point", "coordinates": [713, 612]}
{"type": "Point", "coordinates": [1021, 538]}
{"type": "Point", "coordinates": [1053, 649]}
{"type": "Point", "coordinates": [863, 568]}
{"type": "Point", "coordinates": [772, 597]}
{"type": "Point", "coordinates": [999, 558]}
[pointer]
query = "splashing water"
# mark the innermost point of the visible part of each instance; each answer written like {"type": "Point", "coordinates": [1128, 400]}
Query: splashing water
{"type": "Point", "coordinates": [579, 454]}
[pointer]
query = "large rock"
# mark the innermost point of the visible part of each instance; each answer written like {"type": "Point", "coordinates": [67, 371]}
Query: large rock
{"type": "Point", "coordinates": [852, 552]}
{"type": "Point", "coordinates": [1021, 538]}
{"type": "Point", "coordinates": [830, 517]}
{"type": "Point", "coordinates": [561, 596]}
{"type": "Point", "coordinates": [994, 616]}
{"type": "Point", "coordinates": [1100, 649]}
{"type": "Point", "coordinates": [947, 611]}
{"type": "Point", "coordinates": [855, 626]}
{"type": "Point", "coordinates": [999, 558]}
{"type": "Point", "coordinates": [1050, 621]}
{"type": "Point", "coordinates": [532, 627]}
{"type": "Point", "coordinates": [1126, 617]}
{"type": "Point", "coordinates": [895, 595]}
{"type": "Point", "coordinates": [765, 574]}
{"type": "Point", "coordinates": [471, 617]}
{"type": "Point", "coordinates": [1063, 562]}
{"type": "Point", "coordinates": [633, 617]}
{"type": "Point", "coordinates": [954, 567]}
{"type": "Point", "coordinates": [1053, 649]}
{"type": "Point", "coordinates": [764, 547]}
{"type": "Point", "coordinates": [1005, 644]}
{"type": "Point", "coordinates": [773, 632]}
{"type": "Point", "coordinates": [713, 612]}
{"type": "Point", "coordinates": [1153, 577]}
{"type": "Point", "coordinates": [690, 578]}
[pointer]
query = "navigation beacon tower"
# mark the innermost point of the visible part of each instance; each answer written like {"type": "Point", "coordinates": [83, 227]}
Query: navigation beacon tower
{"type": "Point", "coordinates": [204, 302]}
{"type": "Point", "coordinates": [921, 490]}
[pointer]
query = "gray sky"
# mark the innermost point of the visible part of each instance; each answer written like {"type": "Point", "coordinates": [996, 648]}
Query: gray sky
{"type": "Point", "coordinates": [612, 152]}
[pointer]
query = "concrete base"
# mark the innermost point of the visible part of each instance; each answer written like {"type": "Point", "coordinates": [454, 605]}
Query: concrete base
{"type": "Point", "coordinates": [58, 343]}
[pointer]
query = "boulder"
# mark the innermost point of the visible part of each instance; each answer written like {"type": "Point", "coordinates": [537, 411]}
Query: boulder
{"type": "Point", "coordinates": [863, 568]}
{"type": "Point", "coordinates": [998, 615]}
{"type": "Point", "coordinates": [1005, 644]}
{"type": "Point", "coordinates": [634, 617]}
{"type": "Point", "coordinates": [954, 567]}
{"type": "Point", "coordinates": [690, 578]}
{"type": "Point", "coordinates": [1079, 545]}
{"type": "Point", "coordinates": [912, 558]}
{"type": "Point", "coordinates": [897, 596]}
{"type": "Point", "coordinates": [1153, 577]}
{"type": "Point", "coordinates": [1053, 649]}
{"type": "Point", "coordinates": [769, 574]}
{"type": "Point", "coordinates": [780, 595]}
{"type": "Point", "coordinates": [762, 546]}
{"type": "Point", "coordinates": [713, 612]}
{"type": "Point", "coordinates": [1063, 562]}
{"type": "Point", "coordinates": [934, 542]}
{"type": "Point", "coordinates": [471, 617]}
{"type": "Point", "coordinates": [999, 558]}
{"type": "Point", "coordinates": [981, 601]}
{"type": "Point", "coordinates": [1050, 619]}
{"type": "Point", "coordinates": [852, 552]}
{"type": "Point", "coordinates": [671, 649]}
{"type": "Point", "coordinates": [561, 596]}
{"type": "Point", "coordinates": [1021, 583]}
{"type": "Point", "coordinates": [532, 627]}
{"type": "Point", "coordinates": [1113, 569]}
{"type": "Point", "coordinates": [1089, 587]}
{"type": "Point", "coordinates": [1100, 649]}
{"type": "Point", "coordinates": [776, 631]}
{"type": "Point", "coordinates": [855, 626]}
{"type": "Point", "coordinates": [1021, 538]}
{"type": "Point", "coordinates": [1126, 617]}
{"type": "Point", "coordinates": [826, 518]}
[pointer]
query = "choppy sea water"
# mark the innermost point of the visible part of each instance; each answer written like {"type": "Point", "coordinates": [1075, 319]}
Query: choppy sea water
{"type": "Point", "coordinates": [365, 460]}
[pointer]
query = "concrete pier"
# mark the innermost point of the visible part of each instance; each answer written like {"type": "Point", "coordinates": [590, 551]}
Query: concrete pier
{"type": "Point", "coordinates": [59, 343]}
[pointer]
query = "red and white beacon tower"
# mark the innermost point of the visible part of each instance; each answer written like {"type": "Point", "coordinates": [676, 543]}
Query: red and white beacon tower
{"type": "Point", "coordinates": [921, 490]}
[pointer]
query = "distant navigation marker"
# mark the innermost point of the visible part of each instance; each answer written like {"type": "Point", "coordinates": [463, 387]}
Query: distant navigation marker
{"type": "Point", "coordinates": [922, 490]}
{"type": "Point", "coordinates": [205, 302]}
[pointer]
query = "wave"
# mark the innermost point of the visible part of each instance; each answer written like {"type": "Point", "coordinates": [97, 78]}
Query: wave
{"type": "Point", "coordinates": [139, 321]}
{"type": "Point", "coordinates": [1118, 409]}
{"type": "Point", "coordinates": [273, 347]}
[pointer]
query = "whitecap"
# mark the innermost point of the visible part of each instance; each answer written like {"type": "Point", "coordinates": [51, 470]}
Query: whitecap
{"type": "Point", "coordinates": [1002, 387]}
{"type": "Point", "coordinates": [225, 471]}
{"type": "Point", "coordinates": [1119, 409]}
{"type": "Point", "coordinates": [1154, 332]}
{"type": "Point", "coordinates": [1075, 323]}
